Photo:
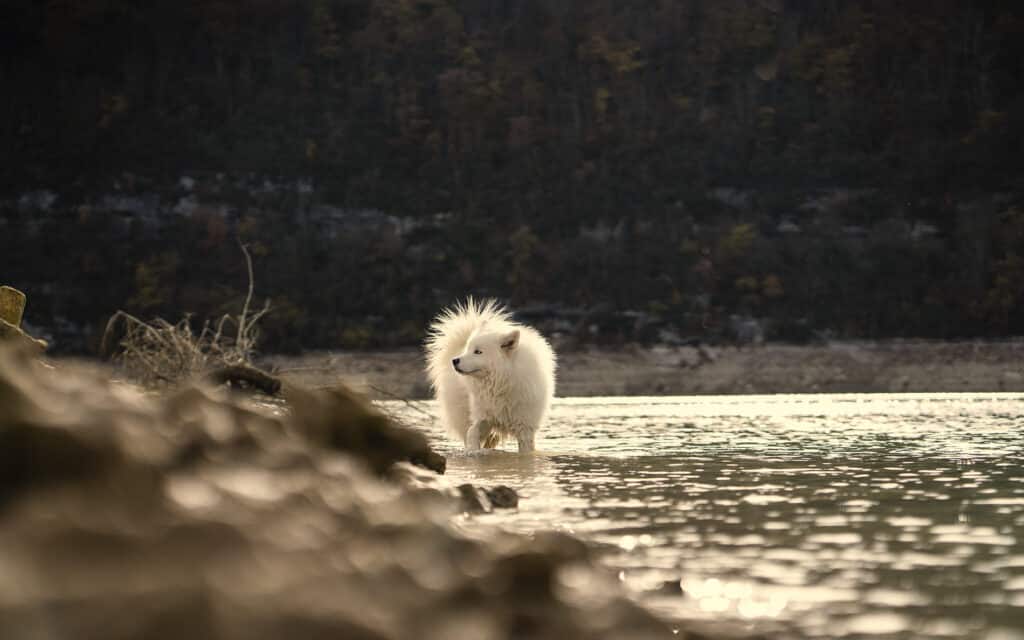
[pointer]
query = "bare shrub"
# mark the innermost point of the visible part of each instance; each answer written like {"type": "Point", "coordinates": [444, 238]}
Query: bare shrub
{"type": "Point", "coordinates": [159, 352]}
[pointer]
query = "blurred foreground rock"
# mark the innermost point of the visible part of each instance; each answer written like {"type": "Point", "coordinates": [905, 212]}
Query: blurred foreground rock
{"type": "Point", "coordinates": [12, 308]}
{"type": "Point", "coordinates": [191, 515]}
{"type": "Point", "coordinates": [341, 420]}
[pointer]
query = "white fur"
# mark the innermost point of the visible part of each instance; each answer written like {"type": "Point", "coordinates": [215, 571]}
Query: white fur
{"type": "Point", "coordinates": [504, 381]}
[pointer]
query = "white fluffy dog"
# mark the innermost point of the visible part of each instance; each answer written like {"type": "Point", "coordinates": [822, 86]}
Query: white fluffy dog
{"type": "Point", "coordinates": [493, 378]}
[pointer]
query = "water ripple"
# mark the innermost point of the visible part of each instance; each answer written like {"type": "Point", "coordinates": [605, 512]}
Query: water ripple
{"type": "Point", "coordinates": [808, 516]}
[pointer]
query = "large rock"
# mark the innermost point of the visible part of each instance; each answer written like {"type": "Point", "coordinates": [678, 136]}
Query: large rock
{"type": "Point", "coordinates": [125, 516]}
{"type": "Point", "coordinates": [12, 307]}
{"type": "Point", "coordinates": [341, 420]}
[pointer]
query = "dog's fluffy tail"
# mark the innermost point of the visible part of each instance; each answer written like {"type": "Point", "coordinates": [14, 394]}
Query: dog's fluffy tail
{"type": "Point", "coordinates": [451, 329]}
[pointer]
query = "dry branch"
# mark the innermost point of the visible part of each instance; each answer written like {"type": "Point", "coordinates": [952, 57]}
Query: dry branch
{"type": "Point", "coordinates": [161, 352]}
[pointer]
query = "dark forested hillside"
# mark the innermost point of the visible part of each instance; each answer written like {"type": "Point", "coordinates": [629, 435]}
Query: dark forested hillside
{"type": "Point", "coordinates": [828, 165]}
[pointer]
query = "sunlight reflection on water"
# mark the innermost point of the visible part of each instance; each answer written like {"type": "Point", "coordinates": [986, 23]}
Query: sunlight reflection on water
{"type": "Point", "coordinates": [808, 515]}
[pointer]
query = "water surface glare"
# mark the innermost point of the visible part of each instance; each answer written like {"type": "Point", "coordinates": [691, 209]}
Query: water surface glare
{"type": "Point", "coordinates": [803, 515]}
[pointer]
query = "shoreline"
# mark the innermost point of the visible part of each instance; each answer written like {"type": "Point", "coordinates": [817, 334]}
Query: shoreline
{"type": "Point", "coordinates": [891, 366]}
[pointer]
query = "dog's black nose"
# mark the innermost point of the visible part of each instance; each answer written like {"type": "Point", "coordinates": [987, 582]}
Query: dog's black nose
{"type": "Point", "coordinates": [455, 362]}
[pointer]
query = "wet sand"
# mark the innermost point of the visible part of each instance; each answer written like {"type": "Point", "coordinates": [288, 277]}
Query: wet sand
{"type": "Point", "coordinates": [839, 367]}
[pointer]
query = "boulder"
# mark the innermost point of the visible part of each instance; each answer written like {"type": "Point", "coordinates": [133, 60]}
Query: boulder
{"type": "Point", "coordinates": [12, 307]}
{"type": "Point", "coordinates": [341, 420]}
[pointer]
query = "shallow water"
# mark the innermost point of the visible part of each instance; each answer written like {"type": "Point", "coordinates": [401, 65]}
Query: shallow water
{"type": "Point", "coordinates": [803, 516]}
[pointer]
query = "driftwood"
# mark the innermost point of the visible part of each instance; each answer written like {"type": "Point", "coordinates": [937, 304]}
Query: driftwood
{"type": "Point", "coordinates": [247, 375]}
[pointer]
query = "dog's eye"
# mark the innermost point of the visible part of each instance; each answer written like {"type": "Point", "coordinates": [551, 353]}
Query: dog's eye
{"type": "Point", "coordinates": [477, 352]}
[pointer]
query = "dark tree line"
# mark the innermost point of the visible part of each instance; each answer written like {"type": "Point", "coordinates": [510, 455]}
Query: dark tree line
{"type": "Point", "coordinates": [536, 124]}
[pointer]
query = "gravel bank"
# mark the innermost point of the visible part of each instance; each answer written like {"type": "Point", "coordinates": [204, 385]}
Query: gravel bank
{"type": "Point", "coordinates": [840, 367]}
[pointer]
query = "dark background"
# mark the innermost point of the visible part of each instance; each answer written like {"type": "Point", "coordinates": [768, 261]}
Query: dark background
{"type": "Point", "coordinates": [619, 170]}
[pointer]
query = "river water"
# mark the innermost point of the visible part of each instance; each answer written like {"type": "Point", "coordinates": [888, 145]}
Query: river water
{"type": "Point", "coordinates": [798, 516]}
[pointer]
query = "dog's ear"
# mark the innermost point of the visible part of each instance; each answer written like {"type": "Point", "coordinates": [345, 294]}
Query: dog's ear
{"type": "Point", "coordinates": [510, 340]}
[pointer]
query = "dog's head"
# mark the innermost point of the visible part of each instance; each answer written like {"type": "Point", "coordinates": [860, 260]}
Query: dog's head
{"type": "Point", "coordinates": [487, 352]}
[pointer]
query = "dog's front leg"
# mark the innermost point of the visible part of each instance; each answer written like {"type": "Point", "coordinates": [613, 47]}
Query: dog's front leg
{"type": "Point", "coordinates": [473, 436]}
{"type": "Point", "coordinates": [525, 442]}
{"type": "Point", "coordinates": [479, 435]}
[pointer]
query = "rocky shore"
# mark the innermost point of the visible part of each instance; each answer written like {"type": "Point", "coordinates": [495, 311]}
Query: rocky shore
{"type": "Point", "coordinates": [838, 367]}
{"type": "Point", "coordinates": [199, 514]}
